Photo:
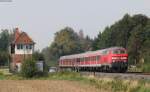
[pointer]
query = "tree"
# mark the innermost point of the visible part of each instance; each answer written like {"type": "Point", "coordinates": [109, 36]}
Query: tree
{"type": "Point", "coordinates": [4, 56]}
{"type": "Point", "coordinates": [97, 41]}
{"type": "Point", "coordinates": [145, 46]}
{"type": "Point", "coordinates": [81, 34]}
{"type": "Point", "coordinates": [66, 42]}
{"type": "Point", "coordinates": [120, 31]}
{"type": "Point", "coordinates": [103, 40]}
{"type": "Point", "coordinates": [5, 38]}
{"type": "Point", "coordinates": [86, 43]}
{"type": "Point", "coordinates": [131, 32]}
{"type": "Point", "coordinates": [135, 43]}
{"type": "Point", "coordinates": [137, 37]}
{"type": "Point", "coordinates": [29, 68]}
{"type": "Point", "coordinates": [38, 56]}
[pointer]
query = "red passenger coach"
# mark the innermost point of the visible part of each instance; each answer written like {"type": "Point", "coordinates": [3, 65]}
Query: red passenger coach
{"type": "Point", "coordinates": [111, 59]}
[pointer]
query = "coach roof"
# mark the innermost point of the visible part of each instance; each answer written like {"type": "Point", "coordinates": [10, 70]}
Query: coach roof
{"type": "Point", "coordinates": [89, 53]}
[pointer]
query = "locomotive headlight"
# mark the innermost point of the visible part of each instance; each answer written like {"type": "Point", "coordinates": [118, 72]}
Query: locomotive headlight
{"type": "Point", "coordinates": [123, 57]}
{"type": "Point", "coordinates": [114, 58]}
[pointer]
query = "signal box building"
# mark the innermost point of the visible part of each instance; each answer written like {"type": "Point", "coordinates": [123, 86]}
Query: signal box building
{"type": "Point", "coordinates": [21, 48]}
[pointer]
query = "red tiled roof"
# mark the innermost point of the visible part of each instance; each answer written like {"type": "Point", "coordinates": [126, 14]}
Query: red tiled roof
{"type": "Point", "coordinates": [22, 38]}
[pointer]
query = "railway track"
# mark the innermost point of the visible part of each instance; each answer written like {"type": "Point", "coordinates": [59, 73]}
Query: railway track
{"type": "Point", "coordinates": [128, 75]}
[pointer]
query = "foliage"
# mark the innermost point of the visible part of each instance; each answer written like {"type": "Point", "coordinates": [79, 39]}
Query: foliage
{"type": "Point", "coordinates": [66, 42]}
{"type": "Point", "coordinates": [1, 76]}
{"type": "Point", "coordinates": [4, 56]}
{"type": "Point", "coordinates": [37, 56]}
{"type": "Point", "coordinates": [48, 57]}
{"type": "Point", "coordinates": [4, 40]}
{"type": "Point", "coordinates": [141, 87]}
{"type": "Point", "coordinates": [65, 75]}
{"type": "Point", "coordinates": [132, 33]}
{"type": "Point", "coordinates": [5, 37]}
{"type": "Point", "coordinates": [118, 85]}
{"type": "Point", "coordinates": [29, 68]}
{"type": "Point", "coordinates": [85, 42]}
{"type": "Point", "coordinates": [146, 67]}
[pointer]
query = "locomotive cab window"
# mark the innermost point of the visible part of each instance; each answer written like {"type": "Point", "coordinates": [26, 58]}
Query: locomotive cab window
{"type": "Point", "coordinates": [122, 52]}
{"type": "Point", "coordinates": [119, 52]}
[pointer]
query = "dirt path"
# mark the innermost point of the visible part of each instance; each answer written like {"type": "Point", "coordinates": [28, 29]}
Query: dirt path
{"type": "Point", "coordinates": [44, 86]}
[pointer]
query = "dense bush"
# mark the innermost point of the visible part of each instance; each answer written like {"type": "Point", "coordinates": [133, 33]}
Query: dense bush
{"type": "Point", "coordinates": [146, 67]}
{"type": "Point", "coordinates": [29, 68]}
{"type": "Point", "coordinates": [4, 56]}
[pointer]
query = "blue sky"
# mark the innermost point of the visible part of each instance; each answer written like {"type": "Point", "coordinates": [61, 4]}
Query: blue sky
{"type": "Point", "coordinates": [42, 18]}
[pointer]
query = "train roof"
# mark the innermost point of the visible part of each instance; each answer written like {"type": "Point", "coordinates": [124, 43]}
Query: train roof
{"type": "Point", "coordinates": [89, 53]}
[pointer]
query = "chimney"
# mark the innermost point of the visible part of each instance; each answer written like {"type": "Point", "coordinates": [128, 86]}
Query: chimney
{"type": "Point", "coordinates": [17, 33]}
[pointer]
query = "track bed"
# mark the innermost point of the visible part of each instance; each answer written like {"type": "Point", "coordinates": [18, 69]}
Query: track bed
{"type": "Point", "coordinates": [128, 75]}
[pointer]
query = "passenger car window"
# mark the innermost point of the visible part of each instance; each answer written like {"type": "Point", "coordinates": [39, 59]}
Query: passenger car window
{"type": "Point", "coordinates": [97, 58]}
{"type": "Point", "coordinates": [105, 52]}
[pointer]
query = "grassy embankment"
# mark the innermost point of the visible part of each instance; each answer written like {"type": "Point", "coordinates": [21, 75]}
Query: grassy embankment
{"type": "Point", "coordinates": [108, 84]}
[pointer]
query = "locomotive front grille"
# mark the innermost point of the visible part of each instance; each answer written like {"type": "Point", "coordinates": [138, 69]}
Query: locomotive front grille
{"type": "Point", "coordinates": [119, 64]}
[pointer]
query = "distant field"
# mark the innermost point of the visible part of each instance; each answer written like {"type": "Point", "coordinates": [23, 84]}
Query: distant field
{"type": "Point", "coordinates": [44, 86]}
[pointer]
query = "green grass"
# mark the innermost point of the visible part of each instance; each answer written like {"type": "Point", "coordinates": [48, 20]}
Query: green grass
{"type": "Point", "coordinates": [2, 76]}
{"type": "Point", "coordinates": [5, 71]}
{"type": "Point", "coordinates": [65, 76]}
{"type": "Point", "coordinates": [115, 85]}
{"type": "Point", "coordinates": [141, 87]}
{"type": "Point", "coordinates": [146, 67]}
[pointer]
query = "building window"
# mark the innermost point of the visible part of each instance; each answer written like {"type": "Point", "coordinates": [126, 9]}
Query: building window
{"type": "Point", "coordinates": [29, 46]}
{"type": "Point", "coordinates": [20, 46]}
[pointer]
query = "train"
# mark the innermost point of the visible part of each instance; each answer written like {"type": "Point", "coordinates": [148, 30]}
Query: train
{"type": "Point", "coordinates": [113, 59]}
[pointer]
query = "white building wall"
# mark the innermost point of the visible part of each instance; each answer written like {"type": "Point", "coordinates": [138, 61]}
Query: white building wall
{"type": "Point", "coordinates": [24, 50]}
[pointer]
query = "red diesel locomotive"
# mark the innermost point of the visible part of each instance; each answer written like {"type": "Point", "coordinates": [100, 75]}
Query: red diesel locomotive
{"type": "Point", "coordinates": [113, 59]}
